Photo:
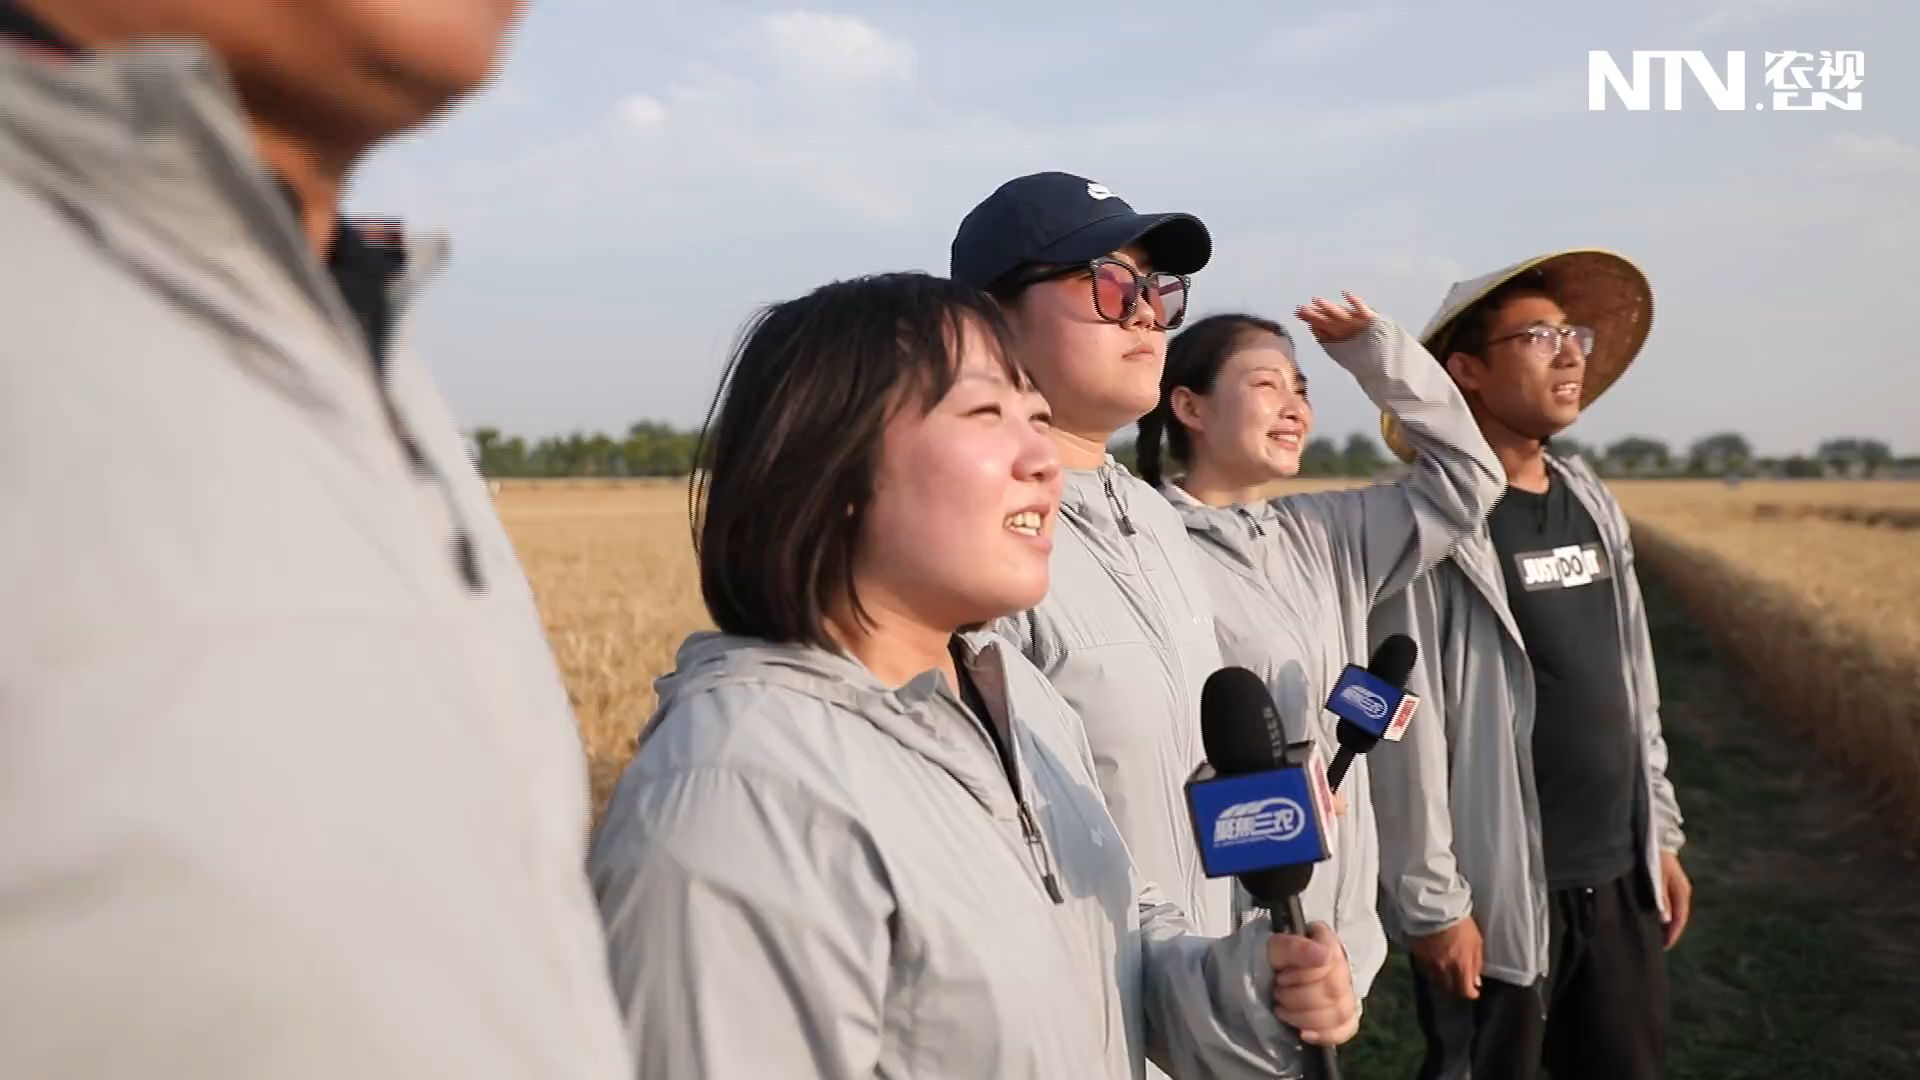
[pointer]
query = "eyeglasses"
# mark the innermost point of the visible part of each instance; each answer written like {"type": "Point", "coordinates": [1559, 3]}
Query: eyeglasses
{"type": "Point", "coordinates": [1547, 341]}
{"type": "Point", "coordinates": [1117, 290]}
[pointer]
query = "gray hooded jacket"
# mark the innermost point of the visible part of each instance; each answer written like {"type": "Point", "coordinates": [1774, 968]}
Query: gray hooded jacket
{"type": "Point", "coordinates": [1126, 636]}
{"type": "Point", "coordinates": [1294, 579]}
{"type": "Point", "coordinates": [1459, 819]}
{"type": "Point", "coordinates": [806, 873]}
{"type": "Point", "coordinates": [289, 786]}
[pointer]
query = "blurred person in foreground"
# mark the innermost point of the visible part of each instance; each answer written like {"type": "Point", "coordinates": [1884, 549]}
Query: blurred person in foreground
{"type": "Point", "coordinates": [289, 786]}
{"type": "Point", "coordinates": [862, 835]}
{"type": "Point", "coordinates": [1294, 577]}
{"type": "Point", "coordinates": [1529, 837]}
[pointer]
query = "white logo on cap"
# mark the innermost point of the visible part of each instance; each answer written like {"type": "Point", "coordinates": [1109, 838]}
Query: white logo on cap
{"type": "Point", "coordinates": [1099, 191]}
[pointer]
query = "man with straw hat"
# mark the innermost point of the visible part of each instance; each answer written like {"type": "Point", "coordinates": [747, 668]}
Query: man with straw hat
{"type": "Point", "coordinates": [1529, 838]}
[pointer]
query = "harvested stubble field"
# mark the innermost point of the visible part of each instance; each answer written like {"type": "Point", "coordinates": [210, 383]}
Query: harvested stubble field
{"type": "Point", "coordinates": [1784, 614]}
{"type": "Point", "coordinates": [1815, 587]}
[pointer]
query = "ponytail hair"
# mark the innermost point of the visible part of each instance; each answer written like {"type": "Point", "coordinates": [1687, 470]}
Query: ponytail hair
{"type": "Point", "coordinates": [1146, 447]}
{"type": "Point", "coordinates": [1194, 359]}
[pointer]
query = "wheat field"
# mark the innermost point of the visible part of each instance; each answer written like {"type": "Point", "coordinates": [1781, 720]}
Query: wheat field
{"type": "Point", "coordinates": [1816, 585]}
{"type": "Point", "coordinates": [612, 569]}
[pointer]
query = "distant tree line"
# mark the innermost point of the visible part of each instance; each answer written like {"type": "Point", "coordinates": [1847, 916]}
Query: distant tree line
{"type": "Point", "coordinates": [1728, 453]}
{"type": "Point", "coordinates": [656, 448]}
{"type": "Point", "coordinates": [649, 448]}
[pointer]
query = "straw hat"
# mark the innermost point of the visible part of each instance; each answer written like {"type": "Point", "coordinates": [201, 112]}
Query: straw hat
{"type": "Point", "coordinates": [1595, 288]}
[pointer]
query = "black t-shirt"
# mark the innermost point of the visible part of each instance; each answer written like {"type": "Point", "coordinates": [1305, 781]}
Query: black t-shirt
{"type": "Point", "coordinates": [1559, 586]}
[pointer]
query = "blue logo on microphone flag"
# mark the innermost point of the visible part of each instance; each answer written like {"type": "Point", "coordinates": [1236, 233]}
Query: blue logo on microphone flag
{"type": "Point", "coordinates": [1256, 821]}
{"type": "Point", "coordinates": [1367, 701]}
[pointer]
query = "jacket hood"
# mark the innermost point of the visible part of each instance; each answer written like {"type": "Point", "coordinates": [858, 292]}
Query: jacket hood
{"type": "Point", "coordinates": [708, 658]}
{"type": "Point", "coordinates": [1231, 530]}
{"type": "Point", "coordinates": [919, 714]}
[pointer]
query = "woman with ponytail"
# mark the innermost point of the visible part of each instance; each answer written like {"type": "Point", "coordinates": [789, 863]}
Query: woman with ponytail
{"type": "Point", "coordinates": [1293, 578]}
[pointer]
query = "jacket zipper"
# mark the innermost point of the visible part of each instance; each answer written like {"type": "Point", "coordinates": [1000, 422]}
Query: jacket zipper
{"type": "Point", "coordinates": [1251, 522]}
{"type": "Point", "coordinates": [1010, 766]}
{"type": "Point", "coordinates": [1162, 638]}
{"type": "Point", "coordinates": [1522, 769]}
{"type": "Point", "coordinates": [1522, 755]}
{"type": "Point", "coordinates": [1161, 630]}
{"type": "Point", "coordinates": [1037, 846]}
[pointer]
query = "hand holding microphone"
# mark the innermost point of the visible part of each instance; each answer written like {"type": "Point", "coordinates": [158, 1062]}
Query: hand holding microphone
{"type": "Point", "coordinates": [1262, 811]}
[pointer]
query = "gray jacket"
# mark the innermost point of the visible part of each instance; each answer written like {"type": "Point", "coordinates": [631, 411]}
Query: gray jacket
{"type": "Point", "coordinates": [281, 793]}
{"type": "Point", "coordinates": [806, 873]}
{"type": "Point", "coordinates": [1126, 636]}
{"type": "Point", "coordinates": [1458, 814]}
{"type": "Point", "coordinates": [1293, 580]}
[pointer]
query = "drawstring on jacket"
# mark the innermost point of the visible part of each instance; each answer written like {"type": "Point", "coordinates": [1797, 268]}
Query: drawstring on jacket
{"type": "Point", "coordinates": [1119, 508]}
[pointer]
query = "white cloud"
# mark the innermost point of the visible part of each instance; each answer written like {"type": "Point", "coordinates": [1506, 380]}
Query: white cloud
{"type": "Point", "coordinates": [643, 112]}
{"type": "Point", "coordinates": [819, 49]}
{"type": "Point", "coordinates": [1330, 33]}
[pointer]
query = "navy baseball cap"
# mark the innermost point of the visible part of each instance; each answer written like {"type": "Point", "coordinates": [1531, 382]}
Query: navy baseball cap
{"type": "Point", "coordinates": [1059, 218]}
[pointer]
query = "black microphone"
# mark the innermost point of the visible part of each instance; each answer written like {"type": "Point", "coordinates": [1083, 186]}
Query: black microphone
{"type": "Point", "coordinates": [1372, 703]}
{"type": "Point", "coordinates": [1262, 809]}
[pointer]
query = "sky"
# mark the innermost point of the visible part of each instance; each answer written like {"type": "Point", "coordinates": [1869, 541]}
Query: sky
{"type": "Point", "coordinates": [642, 176]}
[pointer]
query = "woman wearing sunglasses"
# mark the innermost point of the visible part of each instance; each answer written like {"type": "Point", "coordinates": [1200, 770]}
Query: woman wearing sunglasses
{"type": "Point", "coordinates": [862, 837]}
{"type": "Point", "coordinates": [1125, 633]}
{"type": "Point", "coordinates": [1294, 578]}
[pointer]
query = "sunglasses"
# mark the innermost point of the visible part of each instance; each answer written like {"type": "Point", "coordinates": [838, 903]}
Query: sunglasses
{"type": "Point", "coordinates": [1118, 290]}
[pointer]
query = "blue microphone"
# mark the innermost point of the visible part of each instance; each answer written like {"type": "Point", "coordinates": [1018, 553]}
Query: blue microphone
{"type": "Point", "coordinates": [1262, 808]}
{"type": "Point", "coordinates": [1372, 702]}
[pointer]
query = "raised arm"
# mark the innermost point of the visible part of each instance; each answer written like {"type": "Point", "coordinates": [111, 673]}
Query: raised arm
{"type": "Point", "coordinates": [1382, 537]}
{"type": "Point", "coordinates": [747, 929]}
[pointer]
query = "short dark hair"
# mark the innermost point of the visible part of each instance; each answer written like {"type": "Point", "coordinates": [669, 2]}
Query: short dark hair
{"type": "Point", "coordinates": [784, 476]}
{"type": "Point", "coordinates": [1471, 328]}
{"type": "Point", "coordinates": [1194, 359]}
